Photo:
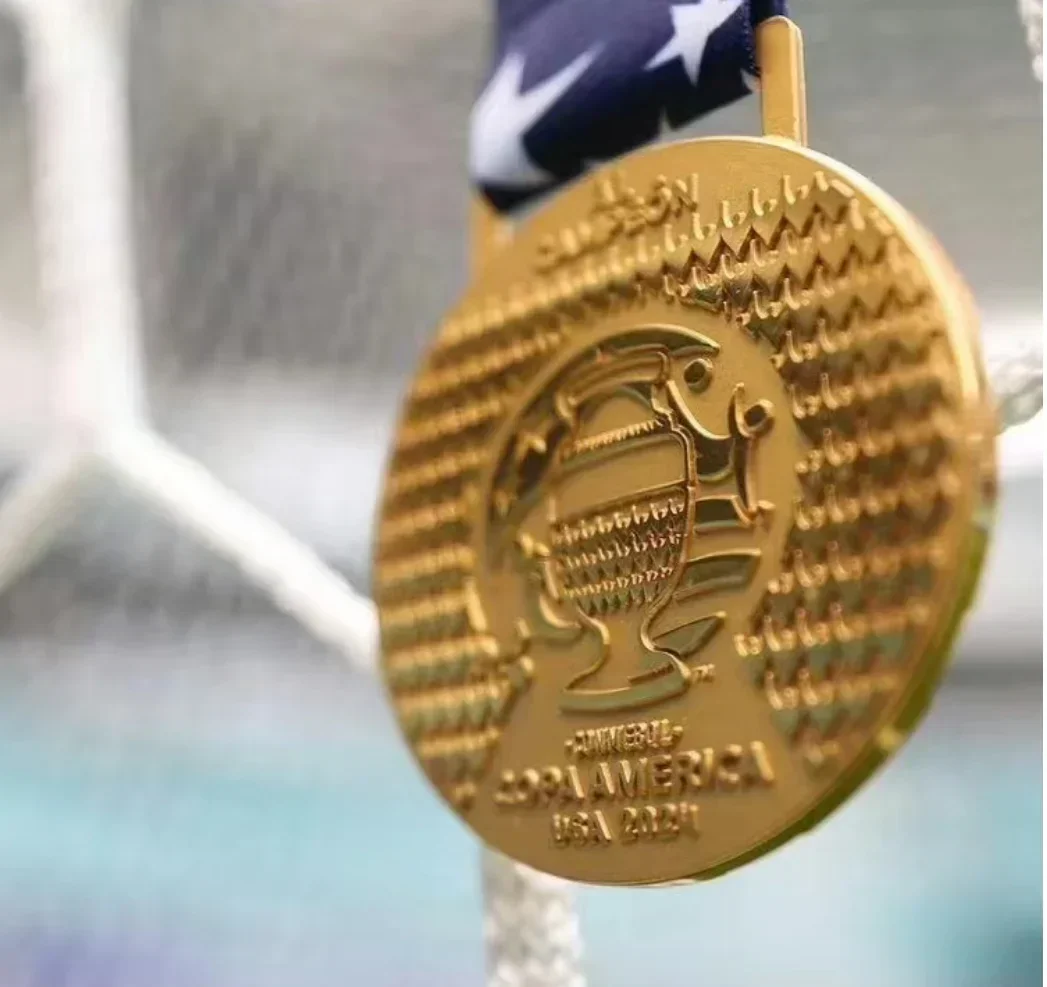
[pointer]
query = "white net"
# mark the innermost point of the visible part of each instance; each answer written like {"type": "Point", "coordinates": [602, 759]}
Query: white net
{"type": "Point", "coordinates": [297, 212]}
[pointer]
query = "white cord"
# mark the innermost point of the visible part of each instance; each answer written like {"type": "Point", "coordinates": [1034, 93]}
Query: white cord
{"type": "Point", "coordinates": [1031, 13]}
{"type": "Point", "coordinates": [531, 927]}
{"type": "Point", "coordinates": [77, 73]}
{"type": "Point", "coordinates": [1015, 374]}
{"type": "Point", "coordinates": [293, 576]}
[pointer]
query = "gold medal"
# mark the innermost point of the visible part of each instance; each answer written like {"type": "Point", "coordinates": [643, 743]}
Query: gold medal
{"type": "Point", "coordinates": [685, 506]}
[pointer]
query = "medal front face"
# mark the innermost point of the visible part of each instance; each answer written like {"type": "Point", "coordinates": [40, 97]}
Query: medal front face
{"type": "Point", "coordinates": [685, 504]}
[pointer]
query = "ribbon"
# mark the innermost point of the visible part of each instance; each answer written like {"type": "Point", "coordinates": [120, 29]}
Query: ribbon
{"type": "Point", "coordinates": [576, 83]}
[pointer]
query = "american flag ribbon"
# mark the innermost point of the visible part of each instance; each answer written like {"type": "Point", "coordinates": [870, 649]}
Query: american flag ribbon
{"type": "Point", "coordinates": [576, 83]}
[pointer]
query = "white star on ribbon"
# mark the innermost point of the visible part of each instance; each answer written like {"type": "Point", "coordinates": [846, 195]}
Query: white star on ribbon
{"type": "Point", "coordinates": [692, 25]}
{"type": "Point", "coordinates": [502, 115]}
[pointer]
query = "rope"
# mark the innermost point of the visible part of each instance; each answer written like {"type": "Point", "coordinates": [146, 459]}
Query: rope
{"type": "Point", "coordinates": [531, 927]}
{"type": "Point", "coordinates": [1031, 12]}
{"type": "Point", "coordinates": [1016, 375]}
{"type": "Point", "coordinates": [295, 578]}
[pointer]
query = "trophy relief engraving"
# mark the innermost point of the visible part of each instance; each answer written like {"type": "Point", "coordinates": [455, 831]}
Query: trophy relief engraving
{"type": "Point", "coordinates": [605, 493]}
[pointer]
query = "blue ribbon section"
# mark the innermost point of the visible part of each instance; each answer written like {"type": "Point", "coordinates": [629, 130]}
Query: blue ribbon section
{"type": "Point", "coordinates": [576, 83]}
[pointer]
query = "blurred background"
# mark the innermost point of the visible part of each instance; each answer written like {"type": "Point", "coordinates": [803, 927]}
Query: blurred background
{"type": "Point", "coordinates": [188, 782]}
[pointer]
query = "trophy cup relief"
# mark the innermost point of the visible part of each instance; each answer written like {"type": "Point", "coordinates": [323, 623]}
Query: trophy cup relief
{"type": "Point", "coordinates": [608, 490]}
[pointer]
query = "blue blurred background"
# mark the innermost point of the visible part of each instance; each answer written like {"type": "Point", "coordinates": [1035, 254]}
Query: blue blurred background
{"type": "Point", "coordinates": [194, 793]}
